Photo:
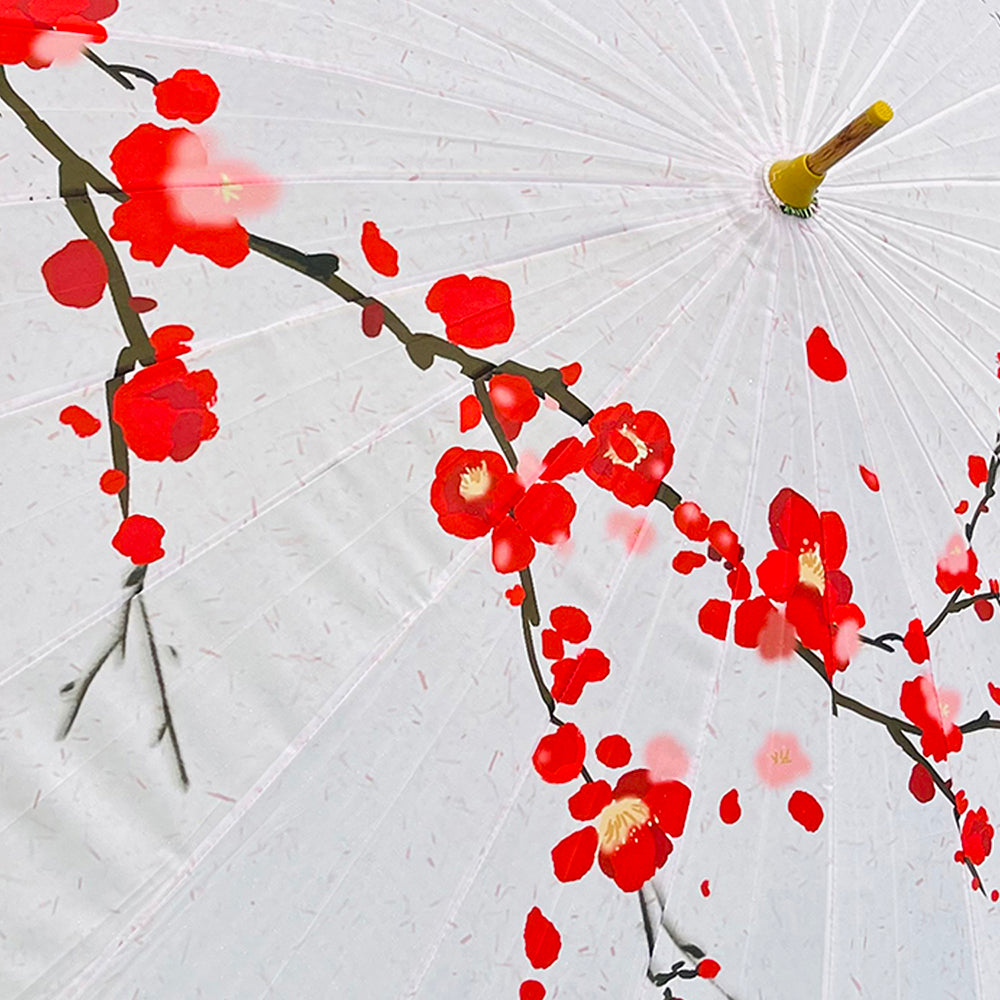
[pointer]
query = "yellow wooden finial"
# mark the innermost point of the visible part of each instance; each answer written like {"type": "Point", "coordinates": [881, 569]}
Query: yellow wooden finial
{"type": "Point", "coordinates": [794, 182]}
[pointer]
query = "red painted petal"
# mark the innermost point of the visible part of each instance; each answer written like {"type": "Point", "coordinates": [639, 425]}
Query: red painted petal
{"type": "Point", "coordinates": [915, 642]}
{"type": "Point", "coordinates": [778, 574]}
{"type": "Point", "coordinates": [706, 889]}
{"type": "Point", "coordinates": [373, 319]}
{"type": "Point", "coordinates": [708, 968]}
{"type": "Point", "coordinates": [571, 373]}
{"type": "Point", "coordinates": [723, 539]}
{"type": "Point", "coordinates": [563, 459]}
{"type": "Point", "coordinates": [793, 520]}
{"type": "Point", "coordinates": [634, 863]}
{"type": "Point", "coordinates": [546, 512]}
{"type": "Point", "coordinates": [188, 94]}
{"type": "Point", "coordinates": [76, 275]}
{"type": "Point", "coordinates": [713, 618]}
{"type": "Point", "coordinates": [552, 645]}
{"type": "Point", "coordinates": [139, 538]}
{"type": "Point", "coordinates": [83, 422]}
{"type": "Point", "coordinates": [587, 803]}
{"type": "Point", "coordinates": [513, 549]}
{"type": "Point", "coordinates": [574, 856]}
{"type": "Point", "coordinates": [515, 595]}
{"type": "Point", "coordinates": [738, 580]}
{"type": "Point", "coordinates": [113, 481]}
{"type": "Point", "coordinates": [542, 942]}
{"type": "Point", "coordinates": [571, 623]}
{"type": "Point", "coordinates": [531, 989]}
{"type": "Point", "coordinates": [870, 479]}
{"type": "Point", "coordinates": [984, 609]}
{"type": "Point", "coordinates": [614, 751]}
{"type": "Point", "coordinates": [729, 807]}
{"type": "Point", "coordinates": [833, 539]}
{"type": "Point", "coordinates": [805, 810]}
{"type": "Point", "coordinates": [978, 470]}
{"type": "Point", "coordinates": [470, 412]}
{"type": "Point", "coordinates": [825, 361]}
{"type": "Point", "coordinates": [380, 254]}
{"type": "Point", "coordinates": [749, 621]}
{"type": "Point", "coordinates": [685, 561]}
{"type": "Point", "coordinates": [670, 801]}
{"type": "Point", "coordinates": [558, 758]}
{"type": "Point", "coordinates": [690, 521]}
{"type": "Point", "coordinates": [921, 783]}
{"type": "Point", "coordinates": [994, 691]}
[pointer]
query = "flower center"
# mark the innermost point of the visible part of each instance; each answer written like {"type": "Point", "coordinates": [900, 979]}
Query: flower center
{"type": "Point", "coordinates": [475, 482]}
{"type": "Point", "coordinates": [781, 756]}
{"type": "Point", "coordinates": [618, 819]}
{"type": "Point", "coordinates": [230, 190]}
{"type": "Point", "coordinates": [811, 571]}
{"type": "Point", "coordinates": [630, 457]}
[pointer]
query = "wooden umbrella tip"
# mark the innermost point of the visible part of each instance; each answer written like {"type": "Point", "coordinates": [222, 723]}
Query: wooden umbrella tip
{"type": "Point", "coordinates": [879, 114]}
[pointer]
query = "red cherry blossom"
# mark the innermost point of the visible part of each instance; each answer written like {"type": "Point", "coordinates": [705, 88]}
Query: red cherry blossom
{"type": "Point", "coordinates": [962, 507]}
{"type": "Point", "coordinates": [984, 609]}
{"type": "Point", "coordinates": [629, 454]}
{"type": "Point", "coordinates": [956, 569]}
{"type": "Point", "coordinates": [164, 410]}
{"type": "Point", "coordinates": [514, 402]}
{"type": "Point", "coordinates": [77, 275]}
{"type": "Point", "coordinates": [633, 827]}
{"type": "Point", "coordinates": [473, 491]}
{"type": "Point", "coordinates": [179, 197]}
{"type": "Point", "coordinates": [691, 521]}
{"type": "Point", "coordinates": [961, 802]}
{"type": "Point", "coordinates": [921, 784]}
{"type": "Point", "coordinates": [470, 412]}
{"type": "Point", "coordinates": [804, 573]}
{"type": "Point", "coordinates": [870, 479]}
{"type": "Point", "coordinates": [571, 623]}
{"type": "Point", "coordinates": [188, 94]}
{"type": "Point", "coordinates": [724, 540]}
{"type": "Point", "coordinates": [915, 642]}
{"type": "Point", "coordinates": [41, 32]}
{"type": "Point", "coordinates": [545, 512]}
{"type": "Point", "coordinates": [614, 751]}
{"type": "Point", "coordinates": [572, 674]}
{"type": "Point", "coordinates": [805, 810]}
{"type": "Point", "coordinates": [923, 706]}
{"type": "Point", "coordinates": [558, 758]}
{"type": "Point", "coordinates": [978, 470]}
{"type": "Point", "coordinates": [476, 311]}
{"type": "Point", "coordinates": [977, 836]}
{"type": "Point", "coordinates": [380, 254]}
{"type": "Point", "coordinates": [563, 459]}
{"type": "Point", "coordinates": [515, 595]}
{"type": "Point", "coordinates": [781, 760]}
{"type": "Point", "coordinates": [729, 807]}
{"type": "Point", "coordinates": [83, 422]}
{"type": "Point", "coordinates": [171, 341]}
{"type": "Point", "coordinates": [140, 539]}
{"type": "Point", "coordinates": [113, 481]}
{"type": "Point", "coordinates": [542, 942]}
{"type": "Point", "coordinates": [825, 361]}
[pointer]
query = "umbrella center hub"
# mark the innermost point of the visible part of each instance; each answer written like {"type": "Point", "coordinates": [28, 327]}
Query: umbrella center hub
{"type": "Point", "coordinates": [475, 483]}
{"type": "Point", "coordinates": [626, 448]}
{"type": "Point", "coordinates": [811, 571]}
{"type": "Point", "coordinates": [618, 819]}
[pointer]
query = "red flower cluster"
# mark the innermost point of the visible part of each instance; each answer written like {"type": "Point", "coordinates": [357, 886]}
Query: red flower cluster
{"type": "Point", "coordinates": [476, 311]}
{"type": "Point", "coordinates": [629, 454]}
{"type": "Point", "coordinates": [188, 94]}
{"type": "Point", "coordinates": [921, 704]}
{"type": "Point", "coordinates": [163, 410]}
{"type": "Point", "coordinates": [956, 569]}
{"type": "Point", "coordinates": [631, 835]}
{"type": "Point", "coordinates": [803, 573]}
{"type": "Point", "coordinates": [474, 493]}
{"type": "Point", "coordinates": [571, 673]}
{"type": "Point", "coordinates": [40, 32]}
{"type": "Point", "coordinates": [178, 198]}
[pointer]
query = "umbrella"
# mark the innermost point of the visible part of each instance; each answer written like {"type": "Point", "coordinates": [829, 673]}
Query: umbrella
{"type": "Point", "coordinates": [268, 379]}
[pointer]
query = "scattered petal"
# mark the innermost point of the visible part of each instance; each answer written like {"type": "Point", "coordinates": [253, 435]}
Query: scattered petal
{"type": "Point", "coordinates": [82, 421]}
{"type": "Point", "coordinates": [470, 412]}
{"type": "Point", "coordinates": [380, 254]}
{"type": "Point", "coordinates": [542, 942]}
{"type": "Point", "coordinates": [571, 373]}
{"type": "Point", "coordinates": [713, 618]}
{"type": "Point", "coordinates": [690, 521]}
{"type": "Point", "coordinates": [587, 803]}
{"type": "Point", "coordinates": [805, 810]}
{"type": "Point", "coordinates": [921, 783]}
{"type": "Point", "coordinates": [614, 751]}
{"type": "Point", "coordinates": [531, 989]}
{"type": "Point", "coordinates": [984, 609]}
{"type": "Point", "coordinates": [666, 759]}
{"type": "Point", "coordinates": [552, 645]}
{"type": "Point", "coordinates": [373, 319]}
{"type": "Point", "coordinates": [978, 471]}
{"type": "Point", "coordinates": [870, 479]}
{"type": "Point", "coordinates": [685, 561]}
{"type": "Point", "coordinates": [825, 361]}
{"type": "Point", "coordinates": [962, 507]}
{"type": "Point", "coordinates": [781, 760]}
{"type": "Point", "coordinates": [188, 94]}
{"type": "Point", "coordinates": [515, 595]}
{"type": "Point", "coordinates": [915, 642]}
{"type": "Point", "coordinates": [574, 855]}
{"type": "Point", "coordinates": [729, 807]}
{"type": "Point", "coordinates": [706, 889]}
{"type": "Point", "coordinates": [113, 481]}
{"type": "Point", "coordinates": [558, 758]}
{"type": "Point", "coordinates": [563, 459]}
{"type": "Point", "coordinates": [708, 968]}
{"type": "Point", "coordinates": [139, 538]}
{"type": "Point", "coordinates": [571, 623]}
{"type": "Point", "coordinates": [76, 275]}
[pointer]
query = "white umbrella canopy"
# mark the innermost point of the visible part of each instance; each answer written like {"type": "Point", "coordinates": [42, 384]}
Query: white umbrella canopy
{"type": "Point", "coordinates": [348, 685]}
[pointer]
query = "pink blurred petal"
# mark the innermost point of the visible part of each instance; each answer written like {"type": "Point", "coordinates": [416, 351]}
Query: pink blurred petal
{"type": "Point", "coordinates": [666, 759]}
{"type": "Point", "coordinates": [781, 760]}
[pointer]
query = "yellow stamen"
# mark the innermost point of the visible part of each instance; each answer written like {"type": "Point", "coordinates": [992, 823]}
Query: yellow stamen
{"type": "Point", "coordinates": [641, 448]}
{"type": "Point", "coordinates": [475, 482]}
{"type": "Point", "coordinates": [811, 571]}
{"type": "Point", "coordinates": [230, 191]}
{"type": "Point", "coordinates": [618, 819]}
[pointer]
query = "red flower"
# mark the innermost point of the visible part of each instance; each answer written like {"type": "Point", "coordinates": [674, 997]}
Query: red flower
{"type": "Point", "coordinates": [570, 675]}
{"type": "Point", "coordinates": [83, 422]}
{"type": "Point", "coordinates": [629, 454]}
{"type": "Point", "coordinates": [476, 311]}
{"type": "Point", "coordinates": [921, 704]}
{"type": "Point", "coordinates": [188, 94]}
{"type": "Point", "coordinates": [163, 410]}
{"type": "Point", "coordinates": [40, 32]}
{"type": "Point", "coordinates": [473, 491]}
{"type": "Point", "coordinates": [804, 573]}
{"type": "Point", "coordinates": [563, 459]}
{"type": "Point", "coordinates": [76, 275]}
{"type": "Point", "coordinates": [140, 538]}
{"type": "Point", "coordinates": [977, 836]}
{"type": "Point", "coordinates": [708, 968]}
{"type": "Point", "coordinates": [177, 197]}
{"type": "Point", "coordinates": [915, 642]}
{"type": "Point", "coordinates": [921, 784]}
{"type": "Point", "coordinates": [632, 832]}
{"type": "Point", "coordinates": [514, 403]}
{"type": "Point", "coordinates": [571, 623]}
{"type": "Point", "coordinates": [113, 481]}
{"type": "Point", "coordinates": [614, 751]}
